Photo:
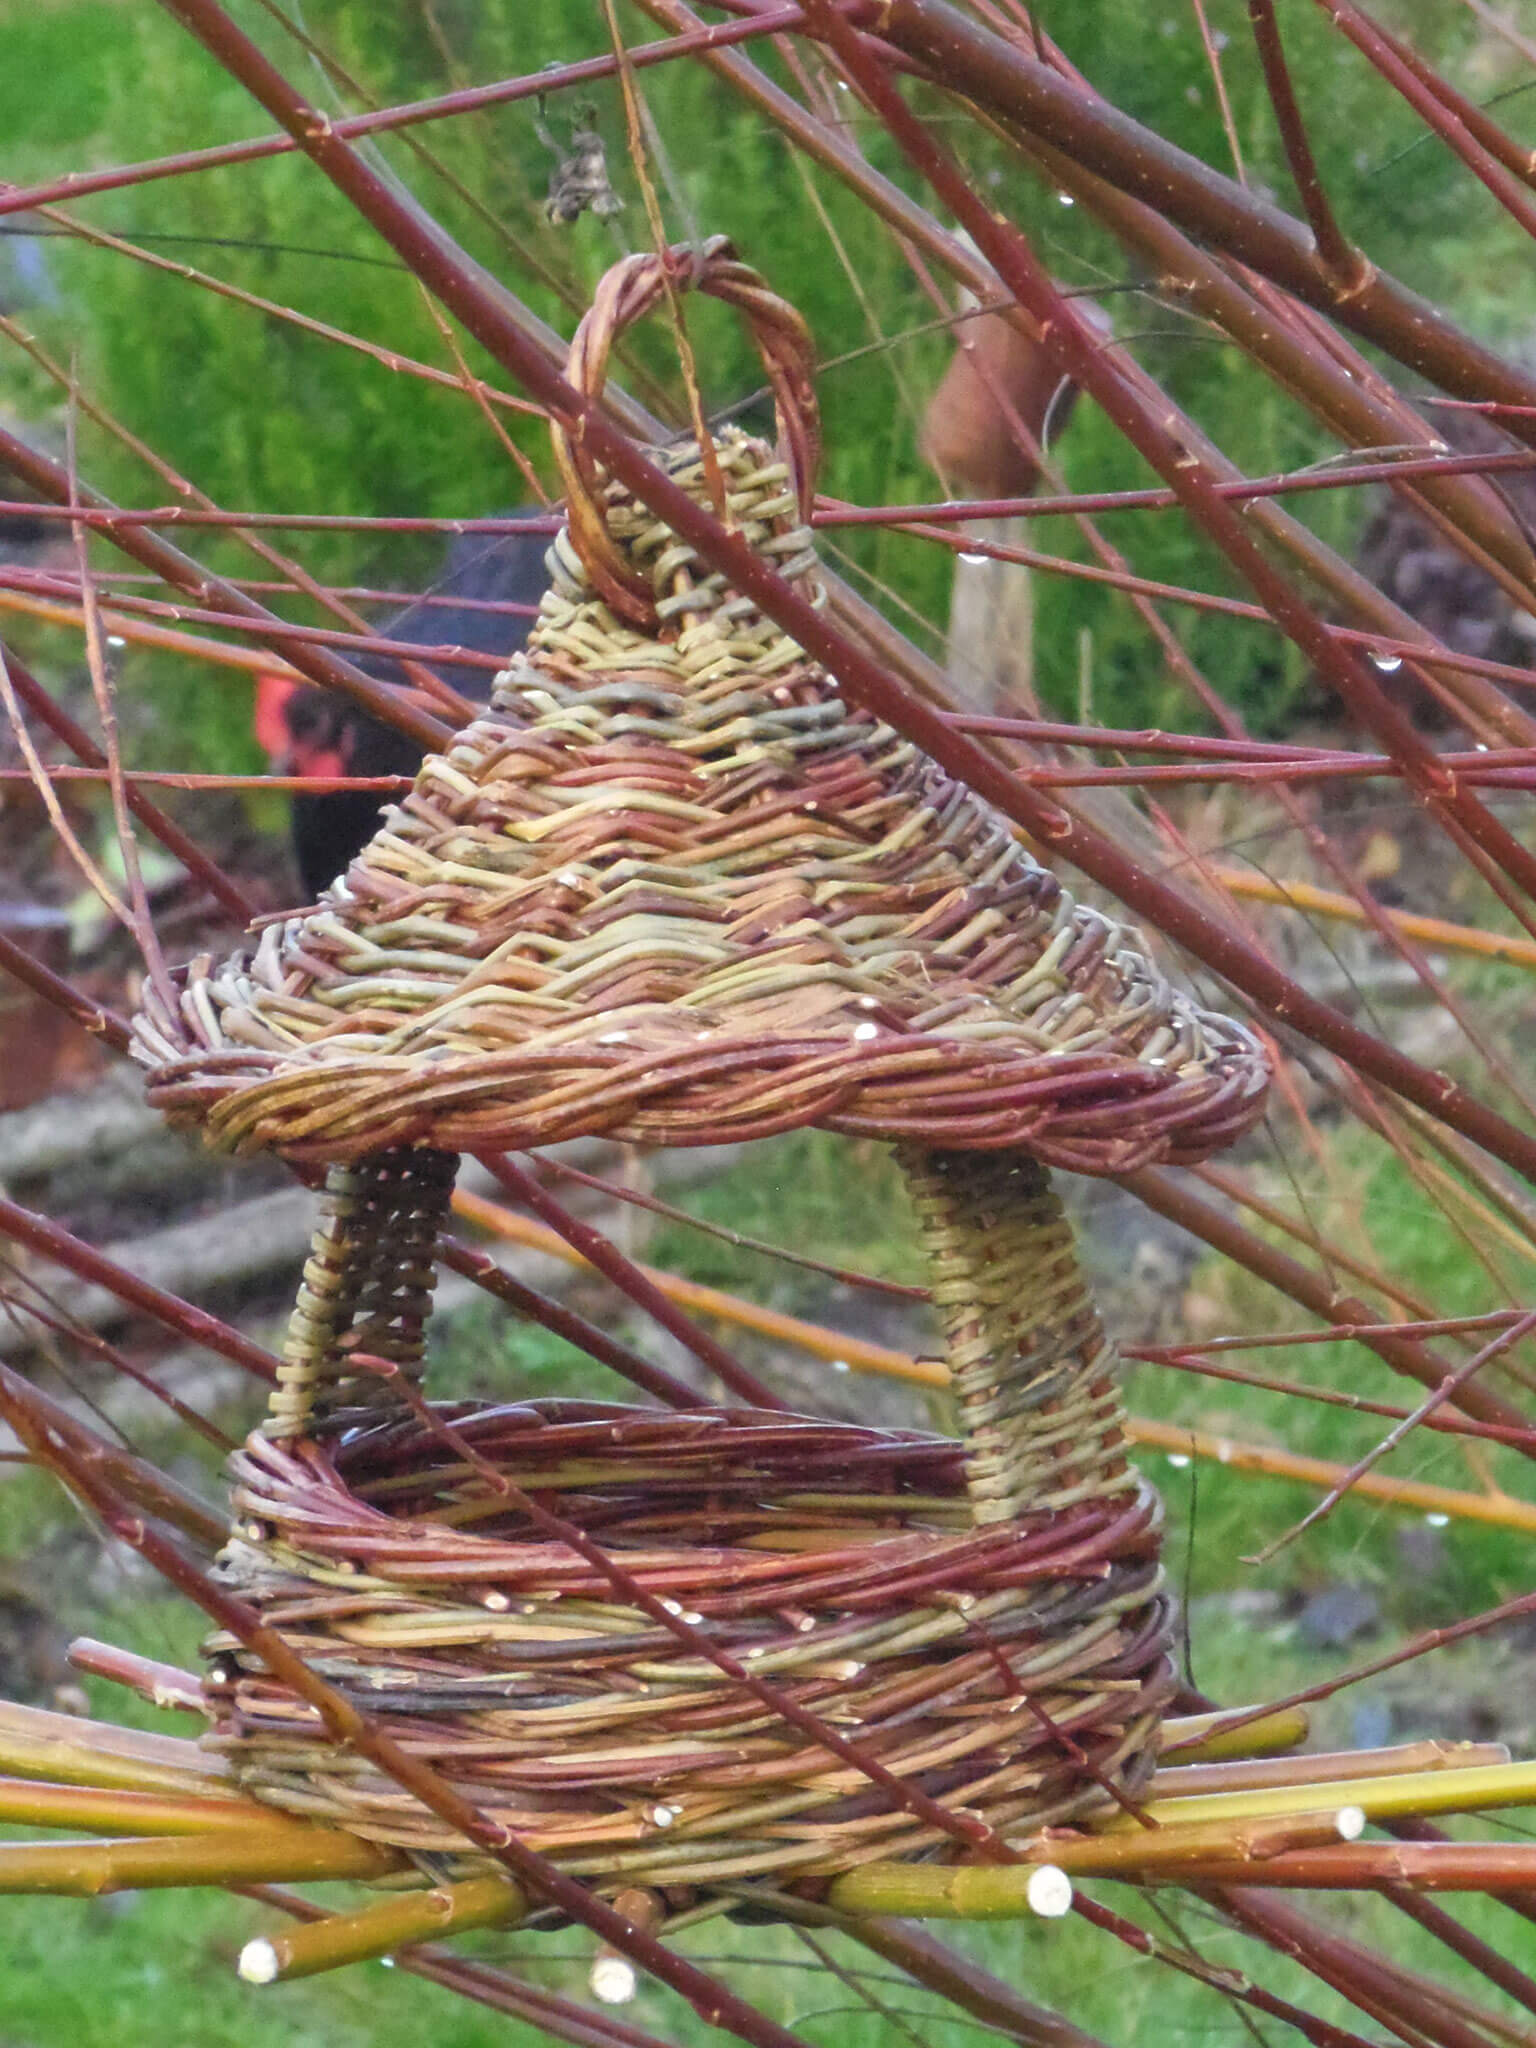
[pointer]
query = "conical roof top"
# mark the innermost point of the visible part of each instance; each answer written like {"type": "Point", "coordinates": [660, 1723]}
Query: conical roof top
{"type": "Point", "coordinates": [670, 888]}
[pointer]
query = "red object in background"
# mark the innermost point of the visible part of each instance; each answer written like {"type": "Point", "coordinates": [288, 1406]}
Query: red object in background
{"type": "Point", "coordinates": [279, 733]}
{"type": "Point", "coordinates": [270, 723]}
{"type": "Point", "coordinates": [996, 374]}
{"type": "Point", "coordinates": [483, 602]}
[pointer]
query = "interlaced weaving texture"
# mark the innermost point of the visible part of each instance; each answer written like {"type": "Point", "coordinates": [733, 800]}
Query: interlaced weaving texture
{"type": "Point", "coordinates": [985, 1664]}
{"type": "Point", "coordinates": [672, 889]}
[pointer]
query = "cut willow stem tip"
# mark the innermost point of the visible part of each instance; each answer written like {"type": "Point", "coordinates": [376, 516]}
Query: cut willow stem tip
{"type": "Point", "coordinates": [258, 1962]}
{"type": "Point", "coordinates": [1049, 1893]}
{"type": "Point", "coordinates": [379, 1929]}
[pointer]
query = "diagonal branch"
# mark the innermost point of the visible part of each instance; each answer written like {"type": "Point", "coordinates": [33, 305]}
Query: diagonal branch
{"type": "Point", "coordinates": [1347, 263]}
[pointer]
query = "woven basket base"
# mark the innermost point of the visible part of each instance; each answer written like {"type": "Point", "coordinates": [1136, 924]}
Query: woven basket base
{"type": "Point", "coordinates": [1015, 1670]}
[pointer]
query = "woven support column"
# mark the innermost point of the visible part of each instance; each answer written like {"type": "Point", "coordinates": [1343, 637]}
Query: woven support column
{"type": "Point", "coordinates": [1035, 1377]}
{"type": "Point", "coordinates": [367, 1288]}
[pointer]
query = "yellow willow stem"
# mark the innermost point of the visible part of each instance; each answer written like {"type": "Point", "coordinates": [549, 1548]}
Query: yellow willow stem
{"type": "Point", "coordinates": [1234, 1732]}
{"type": "Point", "coordinates": [64, 1750]}
{"type": "Point", "coordinates": [1014, 1891]}
{"type": "Point", "coordinates": [1503, 1510]}
{"type": "Point", "coordinates": [986, 1891]}
{"type": "Point", "coordinates": [1433, 931]}
{"type": "Point", "coordinates": [26, 1803]}
{"type": "Point", "coordinates": [1403, 1796]}
{"type": "Point", "coordinates": [379, 1929]}
{"type": "Point", "coordinates": [286, 1854]}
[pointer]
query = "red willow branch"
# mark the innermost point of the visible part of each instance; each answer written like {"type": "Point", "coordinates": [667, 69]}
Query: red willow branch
{"type": "Point", "coordinates": [116, 520]}
{"type": "Point", "coordinates": [1421, 1645]}
{"type": "Point", "coordinates": [137, 1479]}
{"type": "Point", "coordinates": [52, 482]}
{"type": "Point", "coordinates": [1481, 1955]}
{"type": "Point", "coordinates": [1003, 77]}
{"type": "Point", "coordinates": [559, 78]}
{"type": "Point", "coordinates": [1333, 475]}
{"type": "Point", "coordinates": [1229, 1982]}
{"type": "Point", "coordinates": [1297, 1390]}
{"type": "Point", "coordinates": [22, 780]}
{"type": "Point", "coordinates": [1514, 156]}
{"type": "Point", "coordinates": [1349, 267]}
{"type": "Point", "coordinates": [1335, 1260]}
{"type": "Point", "coordinates": [442, 268]}
{"type": "Point", "coordinates": [1407, 2004]}
{"type": "Point", "coordinates": [653, 1204]}
{"type": "Point", "coordinates": [280, 635]}
{"type": "Point", "coordinates": [564, 1322]}
{"type": "Point", "coordinates": [26, 1311]}
{"type": "Point", "coordinates": [1454, 1385]}
{"type": "Point", "coordinates": [1433, 108]}
{"type": "Point", "coordinates": [31, 972]}
{"type": "Point", "coordinates": [1191, 746]}
{"type": "Point", "coordinates": [1316, 1292]}
{"type": "Point", "coordinates": [1346, 396]}
{"type": "Point", "coordinates": [999, 2005]}
{"type": "Point", "coordinates": [170, 835]}
{"type": "Point", "coordinates": [61, 1248]}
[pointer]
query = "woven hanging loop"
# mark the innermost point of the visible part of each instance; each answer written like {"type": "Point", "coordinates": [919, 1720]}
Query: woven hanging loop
{"type": "Point", "coordinates": [629, 291]}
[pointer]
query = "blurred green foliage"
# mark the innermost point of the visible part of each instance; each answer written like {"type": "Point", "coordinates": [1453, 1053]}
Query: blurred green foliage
{"type": "Point", "coordinates": [261, 415]}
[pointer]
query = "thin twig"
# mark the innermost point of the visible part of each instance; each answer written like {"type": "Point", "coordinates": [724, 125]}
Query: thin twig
{"type": "Point", "coordinates": [1346, 262]}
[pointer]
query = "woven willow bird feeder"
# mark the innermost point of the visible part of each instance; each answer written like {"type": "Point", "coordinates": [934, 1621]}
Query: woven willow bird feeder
{"type": "Point", "coordinates": [671, 889]}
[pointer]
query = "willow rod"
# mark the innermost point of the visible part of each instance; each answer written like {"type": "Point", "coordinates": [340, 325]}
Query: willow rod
{"type": "Point", "coordinates": [35, 1743]}
{"type": "Point", "coordinates": [1000, 1892]}
{"type": "Point", "coordinates": [1406, 1795]}
{"type": "Point", "coordinates": [282, 1854]}
{"type": "Point", "coordinates": [1434, 931]}
{"type": "Point", "coordinates": [964, 1892]}
{"type": "Point", "coordinates": [24, 1802]}
{"type": "Point", "coordinates": [379, 1928]}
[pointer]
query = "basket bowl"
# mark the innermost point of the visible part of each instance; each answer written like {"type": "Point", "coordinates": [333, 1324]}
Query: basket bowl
{"type": "Point", "coordinates": [1016, 1671]}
